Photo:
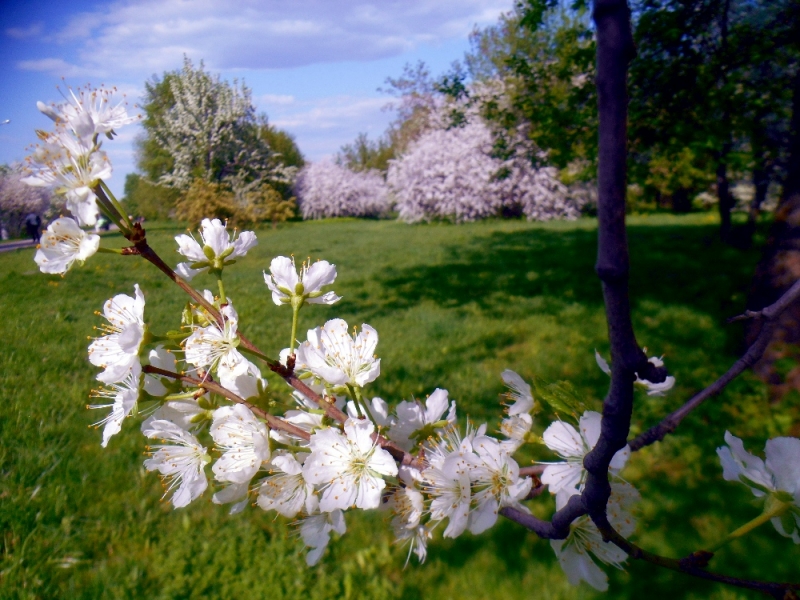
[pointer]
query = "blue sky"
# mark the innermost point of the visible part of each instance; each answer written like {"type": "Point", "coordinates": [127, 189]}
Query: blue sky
{"type": "Point", "coordinates": [313, 66]}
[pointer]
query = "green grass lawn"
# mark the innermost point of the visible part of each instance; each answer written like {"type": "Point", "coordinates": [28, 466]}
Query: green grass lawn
{"type": "Point", "coordinates": [454, 306]}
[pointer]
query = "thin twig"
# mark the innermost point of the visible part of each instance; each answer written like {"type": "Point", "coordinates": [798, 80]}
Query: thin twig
{"type": "Point", "coordinates": [273, 421]}
{"type": "Point", "coordinates": [753, 354]}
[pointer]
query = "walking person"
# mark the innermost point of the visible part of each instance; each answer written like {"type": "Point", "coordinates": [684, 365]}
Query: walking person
{"type": "Point", "coordinates": [33, 223]}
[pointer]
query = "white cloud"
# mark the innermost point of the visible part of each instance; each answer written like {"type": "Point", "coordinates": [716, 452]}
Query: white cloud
{"type": "Point", "coordinates": [151, 36]}
{"type": "Point", "coordinates": [55, 66]}
{"type": "Point", "coordinates": [272, 99]}
{"type": "Point", "coordinates": [324, 125]}
{"type": "Point", "coordinates": [21, 33]}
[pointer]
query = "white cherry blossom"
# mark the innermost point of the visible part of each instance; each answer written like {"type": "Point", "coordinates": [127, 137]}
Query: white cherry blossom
{"type": "Point", "coordinates": [584, 538]}
{"type": "Point", "coordinates": [520, 393]}
{"type": "Point", "coordinates": [62, 244]}
{"type": "Point", "coordinates": [181, 464]}
{"type": "Point", "coordinates": [286, 490]}
{"type": "Point", "coordinates": [118, 349]}
{"type": "Point", "coordinates": [447, 481]}
{"type": "Point", "coordinates": [71, 167]}
{"type": "Point", "coordinates": [217, 250]}
{"type": "Point", "coordinates": [565, 479]}
{"type": "Point", "coordinates": [778, 476]}
{"type": "Point", "coordinates": [338, 358]}
{"type": "Point", "coordinates": [413, 417]}
{"type": "Point", "coordinates": [125, 395]}
{"type": "Point", "coordinates": [348, 468]}
{"type": "Point", "coordinates": [316, 533]}
{"type": "Point", "coordinates": [214, 347]}
{"type": "Point", "coordinates": [244, 443]}
{"type": "Point", "coordinates": [286, 283]}
{"type": "Point", "coordinates": [496, 481]}
{"type": "Point", "coordinates": [90, 111]}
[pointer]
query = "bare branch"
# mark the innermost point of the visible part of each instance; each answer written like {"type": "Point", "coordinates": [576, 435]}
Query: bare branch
{"type": "Point", "coordinates": [750, 357]}
{"type": "Point", "coordinates": [695, 564]}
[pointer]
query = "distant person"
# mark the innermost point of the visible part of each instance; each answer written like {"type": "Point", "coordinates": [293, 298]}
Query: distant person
{"type": "Point", "coordinates": [33, 223]}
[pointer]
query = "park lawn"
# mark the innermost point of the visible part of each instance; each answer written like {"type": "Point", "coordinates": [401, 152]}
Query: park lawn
{"type": "Point", "coordinates": [454, 307]}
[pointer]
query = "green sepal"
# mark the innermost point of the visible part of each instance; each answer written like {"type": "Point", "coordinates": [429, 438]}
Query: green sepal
{"type": "Point", "coordinates": [209, 252]}
{"type": "Point", "coordinates": [226, 253]}
{"type": "Point", "coordinates": [316, 294]}
{"type": "Point", "coordinates": [200, 264]}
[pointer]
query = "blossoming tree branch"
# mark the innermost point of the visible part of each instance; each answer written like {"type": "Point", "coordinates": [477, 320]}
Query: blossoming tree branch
{"type": "Point", "coordinates": [200, 394]}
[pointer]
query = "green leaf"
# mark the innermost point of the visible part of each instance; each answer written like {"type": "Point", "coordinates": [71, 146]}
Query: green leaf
{"type": "Point", "coordinates": [561, 397]}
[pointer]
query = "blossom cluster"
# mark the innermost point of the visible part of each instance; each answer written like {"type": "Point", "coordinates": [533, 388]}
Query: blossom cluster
{"type": "Point", "coordinates": [325, 189]}
{"type": "Point", "coordinates": [338, 448]}
{"type": "Point", "coordinates": [69, 159]}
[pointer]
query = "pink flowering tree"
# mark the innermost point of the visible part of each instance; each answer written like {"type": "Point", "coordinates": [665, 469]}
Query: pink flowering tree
{"type": "Point", "coordinates": [325, 189]}
{"type": "Point", "coordinates": [17, 200]}
{"type": "Point", "coordinates": [200, 395]}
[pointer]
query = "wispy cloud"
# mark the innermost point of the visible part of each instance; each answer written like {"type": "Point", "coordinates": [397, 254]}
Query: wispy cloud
{"type": "Point", "coordinates": [152, 35]}
{"type": "Point", "coordinates": [21, 33]}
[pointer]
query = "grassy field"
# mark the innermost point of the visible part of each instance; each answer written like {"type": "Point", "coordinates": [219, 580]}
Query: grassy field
{"type": "Point", "coordinates": [454, 306]}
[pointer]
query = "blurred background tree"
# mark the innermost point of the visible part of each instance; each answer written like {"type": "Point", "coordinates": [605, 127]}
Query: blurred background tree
{"type": "Point", "coordinates": [198, 127]}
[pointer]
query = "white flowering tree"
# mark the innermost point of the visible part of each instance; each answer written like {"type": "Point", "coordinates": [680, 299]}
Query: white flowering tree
{"type": "Point", "coordinates": [325, 189]}
{"type": "Point", "coordinates": [199, 392]}
{"type": "Point", "coordinates": [17, 200]}
{"type": "Point", "coordinates": [210, 131]}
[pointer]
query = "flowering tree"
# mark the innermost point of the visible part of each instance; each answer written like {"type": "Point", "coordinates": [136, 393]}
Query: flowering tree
{"type": "Point", "coordinates": [339, 449]}
{"type": "Point", "coordinates": [451, 173]}
{"type": "Point", "coordinates": [325, 189]}
{"type": "Point", "coordinates": [210, 131]}
{"type": "Point", "coordinates": [18, 200]}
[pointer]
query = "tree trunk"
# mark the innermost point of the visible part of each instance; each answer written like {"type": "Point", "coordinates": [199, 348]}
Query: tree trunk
{"type": "Point", "coordinates": [681, 202]}
{"type": "Point", "coordinates": [725, 198]}
{"type": "Point", "coordinates": [780, 267]}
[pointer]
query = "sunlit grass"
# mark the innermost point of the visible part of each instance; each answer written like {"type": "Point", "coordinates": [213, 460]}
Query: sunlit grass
{"type": "Point", "coordinates": [454, 306]}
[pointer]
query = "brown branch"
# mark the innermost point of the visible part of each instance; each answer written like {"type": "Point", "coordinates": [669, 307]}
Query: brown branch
{"type": "Point", "coordinates": [273, 421]}
{"type": "Point", "coordinates": [695, 564]}
{"type": "Point", "coordinates": [769, 315]}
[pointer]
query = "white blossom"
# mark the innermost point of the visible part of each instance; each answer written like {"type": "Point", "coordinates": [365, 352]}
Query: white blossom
{"type": "Point", "coordinates": [584, 538]}
{"type": "Point", "coordinates": [286, 490]}
{"type": "Point", "coordinates": [71, 167]}
{"type": "Point", "coordinates": [90, 111]}
{"type": "Point", "coordinates": [414, 417]}
{"type": "Point", "coordinates": [326, 190]}
{"type": "Point", "coordinates": [244, 443]}
{"type": "Point", "coordinates": [348, 468]}
{"type": "Point", "coordinates": [118, 349]}
{"type": "Point", "coordinates": [214, 346]}
{"type": "Point", "coordinates": [285, 283]}
{"type": "Point", "coordinates": [316, 533]}
{"type": "Point", "coordinates": [447, 481]}
{"type": "Point", "coordinates": [218, 248]}
{"type": "Point", "coordinates": [565, 479]}
{"type": "Point", "coordinates": [338, 358]}
{"type": "Point", "coordinates": [62, 244]}
{"type": "Point", "coordinates": [653, 389]}
{"type": "Point", "coordinates": [778, 476]}
{"type": "Point", "coordinates": [495, 477]}
{"type": "Point", "coordinates": [181, 464]}
{"type": "Point", "coordinates": [125, 395]}
{"type": "Point", "coordinates": [161, 358]}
